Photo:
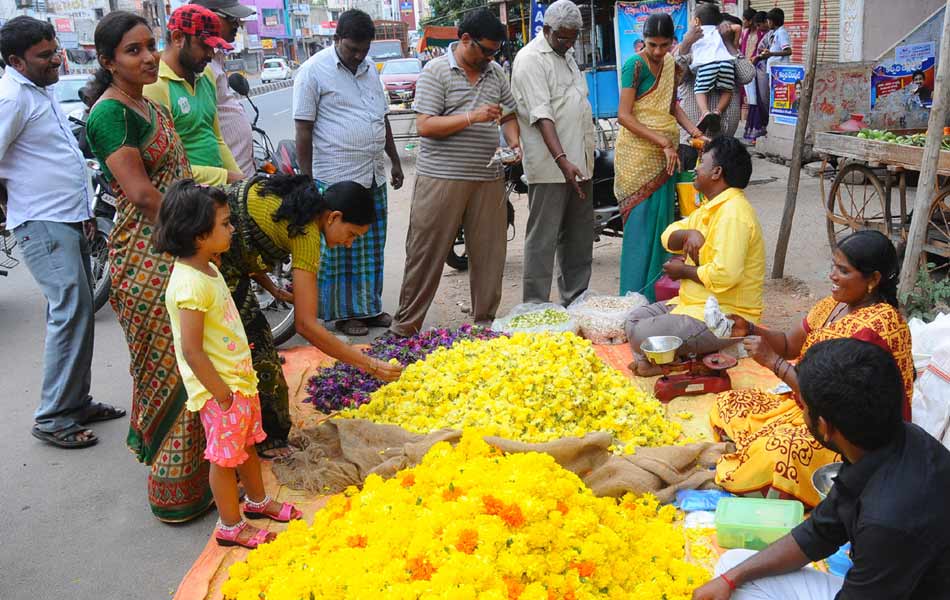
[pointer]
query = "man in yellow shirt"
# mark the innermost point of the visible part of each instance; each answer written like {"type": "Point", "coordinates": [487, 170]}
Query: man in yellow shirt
{"type": "Point", "coordinates": [724, 254]}
{"type": "Point", "coordinates": [186, 88]}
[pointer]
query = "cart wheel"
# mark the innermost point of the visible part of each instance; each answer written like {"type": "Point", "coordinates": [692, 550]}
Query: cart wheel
{"type": "Point", "coordinates": [938, 229]}
{"type": "Point", "coordinates": [856, 202]}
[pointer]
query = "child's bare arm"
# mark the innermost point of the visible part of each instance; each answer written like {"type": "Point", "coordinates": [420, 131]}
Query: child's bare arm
{"type": "Point", "coordinates": [192, 347]}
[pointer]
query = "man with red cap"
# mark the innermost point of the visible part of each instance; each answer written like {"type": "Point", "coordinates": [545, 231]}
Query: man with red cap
{"type": "Point", "coordinates": [186, 88]}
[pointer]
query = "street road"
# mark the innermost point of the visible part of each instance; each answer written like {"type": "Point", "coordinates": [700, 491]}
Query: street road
{"type": "Point", "coordinates": [76, 523]}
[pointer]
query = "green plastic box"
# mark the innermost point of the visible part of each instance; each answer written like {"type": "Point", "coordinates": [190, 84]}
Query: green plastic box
{"type": "Point", "coordinates": [755, 523]}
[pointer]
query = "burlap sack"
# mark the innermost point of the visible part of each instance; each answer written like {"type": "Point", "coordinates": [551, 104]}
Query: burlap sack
{"type": "Point", "coordinates": [343, 452]}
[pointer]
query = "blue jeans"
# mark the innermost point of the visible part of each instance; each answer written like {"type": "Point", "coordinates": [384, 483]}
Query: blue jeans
{"type": "Point", "coordinates": [57, 255]}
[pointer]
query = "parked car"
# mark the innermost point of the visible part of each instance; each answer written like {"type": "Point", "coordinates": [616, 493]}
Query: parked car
{"type": "Point", "coordinates": [67, 92]}
{"type": "Point", "coordinates": [276, 69]}
{"type": "Point", "coordinates": [399, 78]}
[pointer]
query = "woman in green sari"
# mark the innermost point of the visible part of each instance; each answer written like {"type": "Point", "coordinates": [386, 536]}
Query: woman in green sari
{"type": "Point", "coordinates": [646, 155]}
{"type": "Point", "coordinates": [141, 155]}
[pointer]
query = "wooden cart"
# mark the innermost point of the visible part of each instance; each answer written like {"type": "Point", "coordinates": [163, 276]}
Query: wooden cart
{"type": "Point", "coordinates": [867, 173]}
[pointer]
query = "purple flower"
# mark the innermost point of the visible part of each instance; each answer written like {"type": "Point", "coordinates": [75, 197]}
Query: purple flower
{"type": "Point", "coordinates": [343, 386]}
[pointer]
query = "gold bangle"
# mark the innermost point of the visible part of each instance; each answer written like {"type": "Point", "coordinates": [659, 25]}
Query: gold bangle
{"type": "Point", "coordinates": [468, 116]}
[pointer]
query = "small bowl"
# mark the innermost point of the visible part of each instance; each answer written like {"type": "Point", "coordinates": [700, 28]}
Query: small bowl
{"type": "Point", "coordinates": [824, 478]}
{"type": "Point", "coordinates": [661, 349]}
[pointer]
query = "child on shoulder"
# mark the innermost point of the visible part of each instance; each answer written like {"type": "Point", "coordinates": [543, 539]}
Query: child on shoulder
{"type": "Point", "coordinates": [214, 358]}
{"type": "Point", "coordinates": [714, 67]}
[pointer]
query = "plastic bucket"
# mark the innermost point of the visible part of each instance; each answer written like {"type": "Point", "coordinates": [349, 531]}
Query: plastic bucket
{"type": "Point", "coordinates": [688, 197]}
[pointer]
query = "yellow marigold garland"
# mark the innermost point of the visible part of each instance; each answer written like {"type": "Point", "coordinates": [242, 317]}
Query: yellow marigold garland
{"type": "Point", "coordinates": [469, 523]}
{"type": "Point", "coordinates": [529, 387]}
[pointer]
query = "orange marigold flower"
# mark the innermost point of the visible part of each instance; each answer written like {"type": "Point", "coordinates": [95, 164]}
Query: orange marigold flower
{"type": "Point", "coordinates": [515, 587]}
{"type": "Point", "coordinates": [513, 516]}
{"type": "Point", "coordinates": [420, 569]}
{"type": "Point", "coordinates": [468, 541]}
{"type": "Point", "coordinates": [585, 568]}
{"type": "Point", "coordinates": [409, 480]}
{"type": "Point", "coordinates": [452, 493]}
{"type": "Point", "coordinates": [561, 506]}
{"type": "Point", "coordinates": [356, 541]}
{"type": "Point", "coordinates": [493, 506]}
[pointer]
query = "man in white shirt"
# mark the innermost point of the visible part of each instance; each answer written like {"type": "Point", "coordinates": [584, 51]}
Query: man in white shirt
{"type": "Point", "coordinates": [51, 217]}
{"type": "Point", "coordinates": [557, 135]}
{"type": "Point", "coordinates": [233, 121]}
{"type": "Point", "coordinates": [342, 134]}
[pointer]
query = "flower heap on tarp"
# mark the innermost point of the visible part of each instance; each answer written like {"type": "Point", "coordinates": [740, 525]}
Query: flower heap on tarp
{"type": "Point", "coordinates": [470, 522]}
{"type": "Point", "coordinates": [529, 387]}
{"type": "Point", "coordinates": [344, 386]}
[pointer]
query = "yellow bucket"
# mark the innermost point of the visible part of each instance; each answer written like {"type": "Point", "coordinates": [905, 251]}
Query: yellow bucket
{"type": "Point", "coordinates": [689, 197]}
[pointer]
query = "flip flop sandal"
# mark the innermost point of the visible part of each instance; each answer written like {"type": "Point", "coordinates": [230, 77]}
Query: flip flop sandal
{"type": "Point", "coordinates": [104, 412]}
{"type": "Point", "coordinates": [288, 512]}
{"type": "Point", "coordinates": [352, 327]}
{"type": "Point", "coordinates": [231, 537]}
{"type": "Point", "coordinates": [66, 438]}
{"type": "Point", "coordinates": [265, 450]}
{"type": "Point", "coordinates": [380, 320]}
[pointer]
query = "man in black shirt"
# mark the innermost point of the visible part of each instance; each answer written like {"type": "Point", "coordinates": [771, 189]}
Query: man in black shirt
{"type": "Point", "coordinates": [889, 500]}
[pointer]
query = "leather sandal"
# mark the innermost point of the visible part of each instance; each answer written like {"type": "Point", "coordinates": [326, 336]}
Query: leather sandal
{"type": "Point", "coordinates": [231, 536]}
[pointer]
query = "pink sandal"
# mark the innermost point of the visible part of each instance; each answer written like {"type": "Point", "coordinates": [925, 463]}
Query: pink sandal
{"type": "Point", "coordinates": [229, 536]}
{"type": "Point", "coordinates": [256, 510]}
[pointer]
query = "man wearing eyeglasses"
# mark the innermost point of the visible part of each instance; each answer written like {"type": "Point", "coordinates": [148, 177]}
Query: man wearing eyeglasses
{"type": "Point", "coordinates": [461, 99]}
{"type": "Point", "coordinates": [235, 126]}
{"type": "Point", "coordinates": [557, 132]}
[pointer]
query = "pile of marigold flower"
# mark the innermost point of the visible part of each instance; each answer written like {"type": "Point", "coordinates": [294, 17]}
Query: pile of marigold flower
{"type": "Point", "coordinates": [344, 386]}
{"type": "Point", "coordinates": [470, 522]}
{"type": "Point", "coordinates": [529, 387]}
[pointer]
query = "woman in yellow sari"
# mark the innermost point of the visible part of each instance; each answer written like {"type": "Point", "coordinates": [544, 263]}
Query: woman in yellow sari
{"type": "Point", "coordinates": [775, 453]}
{"type": "Point", "coordinates": [646, 155]}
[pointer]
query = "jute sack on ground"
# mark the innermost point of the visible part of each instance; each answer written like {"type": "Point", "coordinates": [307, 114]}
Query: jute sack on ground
{"type": "Point", "coordinates": [343, 452]}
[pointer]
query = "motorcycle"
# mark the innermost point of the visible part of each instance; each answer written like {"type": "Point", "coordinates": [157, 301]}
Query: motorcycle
{"type": "Point", "coordinates": [271, 160]}
{"type": "Point", "coordinates": [607, 219]}
{"type": "Point", "coordinates": [103, 210]}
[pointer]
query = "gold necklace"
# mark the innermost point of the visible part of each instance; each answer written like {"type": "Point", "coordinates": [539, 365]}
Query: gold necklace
{"type": "Point", "coordinates": [141, 106]}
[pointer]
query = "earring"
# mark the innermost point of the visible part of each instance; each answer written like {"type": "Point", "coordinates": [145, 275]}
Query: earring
{"type": "Point", "coordinates": [870, 290]}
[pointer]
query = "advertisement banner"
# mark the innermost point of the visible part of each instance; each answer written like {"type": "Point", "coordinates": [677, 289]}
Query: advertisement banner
{"type": "Point", "coordinates": [786, 89]}
{"type": "Point", "coordinates": [537, 19]}
{"type": "Point", "coordinates": [628, 24]}
{"type": "Point", "coordinates": [911, 75]}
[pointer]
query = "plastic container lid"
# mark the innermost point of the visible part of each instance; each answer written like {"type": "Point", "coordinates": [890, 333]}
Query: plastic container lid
{"type": "Point", "coordinates": [755, 523]}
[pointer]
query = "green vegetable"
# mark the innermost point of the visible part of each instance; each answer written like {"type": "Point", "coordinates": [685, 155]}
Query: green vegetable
{"type": "Point", "coordinates": [548, 316]}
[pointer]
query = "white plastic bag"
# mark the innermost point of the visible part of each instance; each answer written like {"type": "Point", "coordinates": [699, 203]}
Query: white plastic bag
{"type": "Point", "coordinates": [601, 318]}
{"type": "Point", "coordinates": [930, 406]}
{"type": "Point", "coordinates": [510, 323]}
{"type": "Point", "coordinates": [927, 338]}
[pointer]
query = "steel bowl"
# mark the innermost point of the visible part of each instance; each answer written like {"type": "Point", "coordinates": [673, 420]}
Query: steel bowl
{"type": "Point", "coordinates": [661, 349]}
{"type": "Point", "coordinates": [824, 478]}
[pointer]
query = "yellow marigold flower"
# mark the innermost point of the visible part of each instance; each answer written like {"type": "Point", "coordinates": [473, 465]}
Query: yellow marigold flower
{"type": "Point", "coordinates": [529, 387]}
{"type": "Point", "coordinates": [523, 528]}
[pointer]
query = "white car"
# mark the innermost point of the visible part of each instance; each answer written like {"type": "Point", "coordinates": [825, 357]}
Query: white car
{"type": "Point", "coordinates": [276, 69]}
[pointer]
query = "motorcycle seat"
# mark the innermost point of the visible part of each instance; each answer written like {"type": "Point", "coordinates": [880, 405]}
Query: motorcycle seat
{"type": "Point", "coordinates": [603, 164]}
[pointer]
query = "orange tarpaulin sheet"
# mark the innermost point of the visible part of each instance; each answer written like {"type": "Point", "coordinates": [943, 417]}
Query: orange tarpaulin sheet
{"type": "Point", "coordinates": [203, 581]}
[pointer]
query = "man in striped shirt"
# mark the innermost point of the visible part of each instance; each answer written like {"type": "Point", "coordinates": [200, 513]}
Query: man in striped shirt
{"type": "Point", "coordinates": [461, 98]}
